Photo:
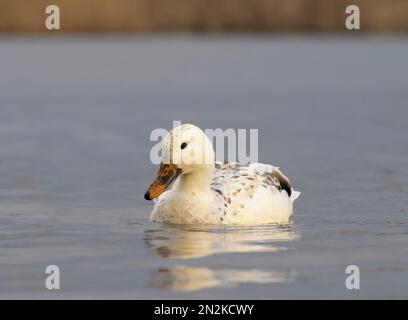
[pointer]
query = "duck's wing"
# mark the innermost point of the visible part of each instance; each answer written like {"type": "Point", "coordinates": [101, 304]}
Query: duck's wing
{"type": "Point", "coordinates": [234, 177]}
{"type": "Point", "coordinates": [272, 175]}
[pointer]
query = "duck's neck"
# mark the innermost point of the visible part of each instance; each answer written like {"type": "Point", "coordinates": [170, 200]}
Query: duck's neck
{"type": "Point", "coordinates": [198, 180]}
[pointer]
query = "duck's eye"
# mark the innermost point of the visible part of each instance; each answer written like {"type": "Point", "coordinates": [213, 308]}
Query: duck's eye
{"type": "Point", "coordinates": [183, 145]}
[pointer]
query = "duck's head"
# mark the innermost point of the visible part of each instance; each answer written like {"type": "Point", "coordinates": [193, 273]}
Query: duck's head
{"type": "Point", "coordinates": [186, 149]}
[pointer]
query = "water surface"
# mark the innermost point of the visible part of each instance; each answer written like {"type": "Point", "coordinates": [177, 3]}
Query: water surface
{"type": "Point", "coordinates": [75, 120]}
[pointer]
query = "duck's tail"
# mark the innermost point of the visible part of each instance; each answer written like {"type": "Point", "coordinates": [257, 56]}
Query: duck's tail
{"type": "Point", "coordinates": [295, 194]}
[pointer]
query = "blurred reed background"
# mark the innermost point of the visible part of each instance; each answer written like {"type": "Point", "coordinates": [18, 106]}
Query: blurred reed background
{"type": "Point", "coordinates": [202, 15]}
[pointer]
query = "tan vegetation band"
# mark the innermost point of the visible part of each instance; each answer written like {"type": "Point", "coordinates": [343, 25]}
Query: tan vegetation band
{"type": "Point", "coordinates": [201, 15]}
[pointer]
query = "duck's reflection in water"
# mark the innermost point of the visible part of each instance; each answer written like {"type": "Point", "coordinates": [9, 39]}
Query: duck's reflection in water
{"type": "Point", "coordinates": [187, 242]}
{"type": "Point", "coordinates": [185, 278]}
{"type": "Point", "coordinates": [191, 242]}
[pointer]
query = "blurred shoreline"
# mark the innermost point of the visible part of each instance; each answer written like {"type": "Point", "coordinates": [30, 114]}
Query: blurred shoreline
{"type": "Point", "coordinates": [201, 16]}
{"type": "Point", "coordinates": [222, 36]}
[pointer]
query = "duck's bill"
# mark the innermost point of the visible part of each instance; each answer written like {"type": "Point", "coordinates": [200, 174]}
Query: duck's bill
{"type": "Point", "coordinates": [166, 175]}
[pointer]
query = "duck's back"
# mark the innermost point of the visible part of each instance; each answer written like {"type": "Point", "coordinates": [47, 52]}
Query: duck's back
{"type": "Point", "coordinates": [252, 194]}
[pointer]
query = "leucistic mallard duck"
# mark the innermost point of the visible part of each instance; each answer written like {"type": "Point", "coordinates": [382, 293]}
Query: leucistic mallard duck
{"type": "Point", "coordinates": [192, 188]}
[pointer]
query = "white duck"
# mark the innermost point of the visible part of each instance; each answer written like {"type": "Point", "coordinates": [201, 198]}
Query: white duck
{"type": "Point", "coordinates": [208, 192]}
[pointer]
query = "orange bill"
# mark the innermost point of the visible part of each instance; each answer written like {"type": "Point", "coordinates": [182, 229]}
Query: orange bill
{"type": "Point", "coordinates": [166, 175]}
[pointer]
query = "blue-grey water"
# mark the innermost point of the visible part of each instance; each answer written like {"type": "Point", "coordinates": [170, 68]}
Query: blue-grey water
{"type": "Point", "coordinates": [75, 120]}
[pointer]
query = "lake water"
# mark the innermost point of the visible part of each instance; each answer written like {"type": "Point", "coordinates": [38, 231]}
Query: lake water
{"type": "Point", "coordinates": [75, 119]}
